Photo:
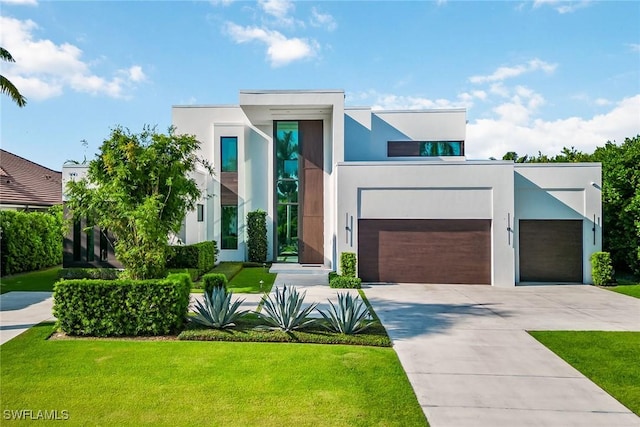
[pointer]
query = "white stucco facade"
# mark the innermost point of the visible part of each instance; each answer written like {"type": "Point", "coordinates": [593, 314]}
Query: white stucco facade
{"type": "Point", "coordinates": [375, 166]}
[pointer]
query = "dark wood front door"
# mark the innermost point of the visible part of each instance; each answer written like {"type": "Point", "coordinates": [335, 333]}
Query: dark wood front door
{"type": "Point", "coordinates": [550, 250]}
{"type": "Point", "coordinates": [425, 251]}
{"type": "Point", "coordinates": [311, 244]}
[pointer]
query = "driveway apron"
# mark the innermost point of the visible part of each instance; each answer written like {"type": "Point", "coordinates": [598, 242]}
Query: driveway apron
{"type": "Point", "coordinates": [471, 362]}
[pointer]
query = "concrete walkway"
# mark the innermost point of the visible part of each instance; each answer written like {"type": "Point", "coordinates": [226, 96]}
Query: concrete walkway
{"type": "Point", "coordinates": [471, 363]}
{"type": "Point", "coordinates": [21, 310]}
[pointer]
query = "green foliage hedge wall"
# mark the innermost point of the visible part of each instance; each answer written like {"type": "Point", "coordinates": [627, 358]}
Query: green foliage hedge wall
{"type": "Point", "coordinates": [123, 307]}
{"type": "Point", "coordinates": [601, 268]}
{"type": "Point", "coordinates": [201, 255]}
{"type": "Point", "coordinates": [257, 235]}
{"type": "Point", "coordinates": [30, 240]}
{"type": "Point", "coordinates": [348, 264]}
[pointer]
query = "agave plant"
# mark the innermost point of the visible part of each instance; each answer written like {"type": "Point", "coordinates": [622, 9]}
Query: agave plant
{"type": "Point", "coordinates": [217, 311]}
{"type": "Point", "coordinates": [285, 310]}
{"type": "Point", "coordinates": [349, 316]}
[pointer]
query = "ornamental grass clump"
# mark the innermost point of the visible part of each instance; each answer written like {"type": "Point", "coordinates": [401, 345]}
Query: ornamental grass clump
{"type": "Point", "coordinates": [284, 311]}
{"type": "Point", "coordinates": [218, 311]}
{"type": "Point", "coordinates": [349, 317]}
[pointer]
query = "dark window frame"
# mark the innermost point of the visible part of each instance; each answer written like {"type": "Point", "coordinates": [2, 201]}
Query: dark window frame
{"type": "Point", "coordinates": [409, 148]}
{"type": "Point", "coordinates": [225, 238]}
{"type": "Point", "coordinates": [200, 212]}
{"type": "Point", "coordinates": [223, 164]}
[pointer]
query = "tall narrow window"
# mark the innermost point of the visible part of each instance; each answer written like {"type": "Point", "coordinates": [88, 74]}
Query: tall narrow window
{"type": "Point", "coordinates": [229, 227]}
{"type": "Point", "coordinates": [287, 189]}
{"type": "Point", "coordinates": [200, 211]}
{"type": "Point", "coordinates": [229, 154]}
{"type": "Point", "coordinates": [90, 244]}
{"type": "Point", "coordinates": [77, 240]}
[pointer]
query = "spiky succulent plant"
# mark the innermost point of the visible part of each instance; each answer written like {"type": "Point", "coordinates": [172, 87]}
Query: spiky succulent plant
{"type": "Point", "coordinates": [284, 311]}
{"type": "Point", "coordinates": [349, 317]}
{"type": "Point", "coordinates": [218, 311]}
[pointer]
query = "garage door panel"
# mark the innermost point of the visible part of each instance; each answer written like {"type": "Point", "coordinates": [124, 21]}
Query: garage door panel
{"type": "Point", "coordinates": [425, 251]}
{"type": "Point", "coordinates": [550, 250]}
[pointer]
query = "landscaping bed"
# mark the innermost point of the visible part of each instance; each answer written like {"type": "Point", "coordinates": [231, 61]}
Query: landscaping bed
{"type": "Point", "coordinates": [251, 329]}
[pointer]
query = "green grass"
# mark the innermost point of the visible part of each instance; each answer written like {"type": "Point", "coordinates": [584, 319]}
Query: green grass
{"type": "Point", "coordinates": [229, 269]}
{"type": "Point", "coordinates": [41, 280]}
{"type": "Point", "coordinates": [609, 359]}
{"type": "Point", "coordinates": [120, 382]}
{"type": "Point", "coordinates": [631, 290]}
{"type": "Point", "coordinates": [247, 281]}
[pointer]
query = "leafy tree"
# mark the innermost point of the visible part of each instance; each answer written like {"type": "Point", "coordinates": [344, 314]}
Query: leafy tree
{"type": "Point", "coordinates": [621, 201]}
{"type": "Point", "coordinates": [138, 187]}
{"type": "Point", "coordinates": [6, 86]}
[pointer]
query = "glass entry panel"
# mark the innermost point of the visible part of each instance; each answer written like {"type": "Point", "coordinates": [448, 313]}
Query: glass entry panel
{"type": "Point", "coordinates": [287, 190]}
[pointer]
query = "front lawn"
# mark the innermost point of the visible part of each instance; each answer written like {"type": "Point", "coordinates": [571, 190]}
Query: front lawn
{"type": "Point", "coordinates": [247, 281]}
{"type": "Point", "coordinates": [631, 290]}
{"type": "Point", "coordinates": [41, 280]}
{"type": "Point", "coordinates": [609, 359]}
{"type": "Point", "coordinates": [128, 382]}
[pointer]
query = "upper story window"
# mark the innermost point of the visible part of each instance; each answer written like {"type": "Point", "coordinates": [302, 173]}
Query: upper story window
{"type": "Point", "coordinates": [229, 153]}
{"type": "Point", "coordinates": [425, 148]}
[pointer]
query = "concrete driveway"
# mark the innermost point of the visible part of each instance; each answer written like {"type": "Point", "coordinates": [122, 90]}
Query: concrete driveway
{"type": "Point", "coordinates": [471, 362]}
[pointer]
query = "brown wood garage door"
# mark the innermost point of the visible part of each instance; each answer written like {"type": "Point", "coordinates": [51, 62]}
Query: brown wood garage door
{"type": "Point", "coordinates": [424, 251]}
{"type": "Point", "coordinates": [550, 250]}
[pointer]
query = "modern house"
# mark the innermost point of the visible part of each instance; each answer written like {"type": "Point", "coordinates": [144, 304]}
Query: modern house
{"type": "Point", "coordinates": [27, 186]}
{"type": "Point", "coordinates": [394, 187]}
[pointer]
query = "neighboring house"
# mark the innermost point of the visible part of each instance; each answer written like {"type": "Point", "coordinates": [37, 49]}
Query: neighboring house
{"type": "Point", "coordinates": [84, 246]}
{"type": "Point", "coordinates": [27, 186]}
{"type": "Point", "coordinates": [394, 187]}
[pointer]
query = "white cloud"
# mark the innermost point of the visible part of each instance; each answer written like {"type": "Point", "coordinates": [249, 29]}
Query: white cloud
{"type": "Point", "coordinates": [635, 47]}
{"type": "Point", "coordinates": [495, 136]}
{"type": "Point", "coordinates": [503, 73]}
{"type": "Point", "coordinates": [280, 49]}
{"type": "Point", "coordinates": [562, 6]}
{"type": "Point", "coordinates": [323, 20]}
{"type": "Point", "coordinates": [277, 8]}
{"type": "Point", "coordinates": [135, 74]}
{"type": "Point", "coordinates": [20, 2]}
{"type": "Point", "coordinates": [280, 11]}
{"type": "Point", "coordinates": [43, 69]}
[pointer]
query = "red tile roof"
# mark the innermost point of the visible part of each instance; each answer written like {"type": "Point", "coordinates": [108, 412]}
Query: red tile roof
{"type": "Point", "coordinates": [23, 182]}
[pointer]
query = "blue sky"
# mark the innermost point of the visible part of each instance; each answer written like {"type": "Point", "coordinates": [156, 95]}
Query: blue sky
{"type": "Point", "coordinates": [533, 76]}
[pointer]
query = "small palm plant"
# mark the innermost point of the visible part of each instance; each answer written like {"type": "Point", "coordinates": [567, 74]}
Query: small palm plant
{"type": "Point", "coordinates": [285, 310]}
{"type": "Point", "coordinates": [349, 317]}
{"type": "Point", "coordinates": [217, 311]}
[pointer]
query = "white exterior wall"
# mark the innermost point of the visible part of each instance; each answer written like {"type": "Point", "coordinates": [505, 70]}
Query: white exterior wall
{"type": "Point", "coordinates": [367, 132]}
{"type": "Point", "coordinates": [561, 191]}
{"type": "Point", "coordinates": [430, 190]}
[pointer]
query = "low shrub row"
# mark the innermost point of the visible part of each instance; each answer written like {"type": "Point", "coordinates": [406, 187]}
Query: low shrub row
{"type": "Point", "coordinates": [30, 240]}
{"type": "Point", "coordinates": [89, 273]}
{"type": "Point", "coordinates": [343, 282]}
{"type": "Point", "coordinates": [102, 308]}
{"type": "Point", "coordinates": [201, 256]}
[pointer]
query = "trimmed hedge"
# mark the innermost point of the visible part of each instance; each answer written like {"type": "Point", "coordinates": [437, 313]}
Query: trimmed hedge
{"type": "Point", "coordinates": [348, 264]}
{"type": "Point", "coordinates": [201, 255]}
{"type": "Point", "coordinates": [105, 308]}
{"type": "Point", "coordinates": [602, 269]}
{"type": "Point", "coordinates": [89, 273]}
{"type": "Point", "coordinates": [343, 282]}
{"type": "Point", "coordinates": [194, 273]}
{"type": "Point", "coordinates": [30, 240]}
{"type": "Point", "coordinates": [212, 280]}
{"type": "Point", "coordinates": [257, 235]}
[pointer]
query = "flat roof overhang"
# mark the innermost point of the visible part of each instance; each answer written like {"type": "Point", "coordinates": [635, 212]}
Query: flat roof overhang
{"type": "Point", "coordinates": [265, 106]}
